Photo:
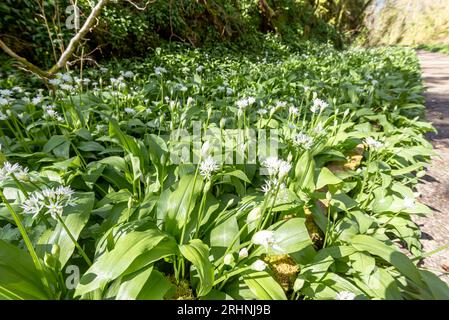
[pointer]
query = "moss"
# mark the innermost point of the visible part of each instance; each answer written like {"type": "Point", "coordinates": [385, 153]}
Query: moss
{"type": "Point", "coordinates": [284, 269]}
{"type": "Point", "coordinates": [182, 289]}
{"type": "Point", "coordinates": [315, 233]}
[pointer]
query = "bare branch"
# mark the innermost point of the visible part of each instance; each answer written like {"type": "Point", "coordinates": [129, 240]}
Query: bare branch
{"type": "Point", "coordinates": [31, 67]}
{"type": "Point", "coordinates": [141, 8]}
{"type": "Point", "coordinates": [80, 35]}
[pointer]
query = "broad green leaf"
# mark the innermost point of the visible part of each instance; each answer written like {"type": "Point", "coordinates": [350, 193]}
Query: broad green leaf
{"type": "Point", "coordinates": [264, 286]}
{"type": "Point", "coordinates": [198, 253]}
{"type": "Point", "coordinates": [396, 258]}
{"type": "Point", "coordinates": [111, 264]}
{"type": "Point", "coordinates": [180, 204]}
{"type": "Point", "coordinates": [19, 279]}
{"type": "Point", "coordinates": [223, 236]}
{"type": "Point", "coordinates": [326, 177]}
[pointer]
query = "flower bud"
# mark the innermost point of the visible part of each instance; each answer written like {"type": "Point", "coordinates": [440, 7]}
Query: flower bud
{"type": "Point", "coordinates": [55, 250]}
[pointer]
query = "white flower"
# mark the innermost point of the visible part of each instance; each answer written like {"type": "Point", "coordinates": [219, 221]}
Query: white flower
{"type": "Point", "coordinates": [66, 77]}
{"type": "Point", "coordinates": [55, 81]}
{"type": "Point", "coordinates": [272, 165]}
{"type": "Point", "coordinates": [22, 174]}
{"type": "Point", "coordinates": [37, 100]}
{"type": "Point", "coordinates": [33, 205]}
{"type": "Point", "coordinates": [281, 104]}
{"type": "Point", "coordinates": [293, 111]}
{"type": "Point", "coordinates": [199, 69]}
{"type": "Point", "coordinates": [3, 116]}
{"type": "Point", "coordinates": [251, 100]}
{"type": "Point", "coordinates": [103, 69]}
{"type": "Point", "coordinates": [303, 140]}
{"type": "Point", "coordinates": [229, 91]}
{"type": "Point", "coordinates": [208, 166]}
{"type": "Point", "coordinates": [259, 265]}
{"type": "Point", "coordinates": [262, 111]}
{"type": "Point", "coordinates": [409, 203]}
{"type": "Point", "coordinates": [128, 74]}
{"type": "Point", "coordinates": [345, 295]}
{"type": "Point", "coordinates": [54, 208]}
{"type": "Point", "coordinates": [228, 259]}
{"type": "Point", "coordinates": [318, 105]}
{"type": "Point", "coordinates": [130, 111]}
{"type": "Point", "coordinates": [5, 92]}
{"type": "Point", "coordinates": [243, 253]}
{"type": "Point", "coordinates": [284, 168]}
{"type": "Point", "coordinates": [266, 187]}
{"type": "Point", "coordinates": [3, 101]}
{"type": "Point", "coordinates": [264, 238]}
{"type": "Point", "coordinates": [52, 199]}
{"type": "Point", "coordinates": [242, 103]}
{"type": "Point", "coordinates": [67, 87]}
{"type": "Point", "coordinates": [160, 70]}
{"type": "Point", "coordinates": [205, 148]}
{"type": "Point", "coordinates": [372, 143]}
{"type": "Point", "coordinates": [64, 191]}
{"type": "Point", "coordinates": [49, 193]}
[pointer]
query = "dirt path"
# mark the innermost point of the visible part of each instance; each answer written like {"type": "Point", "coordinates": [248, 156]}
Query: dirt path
{"type": "Point", "coordinates": [434, 188]}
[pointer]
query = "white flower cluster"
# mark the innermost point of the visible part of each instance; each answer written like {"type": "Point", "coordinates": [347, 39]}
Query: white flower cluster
{"type": "Point", "coordinates": [208, 166]}
{"type": "Point", "coordinates": [49, 200]}
{"type": "Point", "coordinates": [266, 239]}
{"type": "Point", "coordinates": [15, 169]}
{"type": "Point", "coordinates": [318, 105]}
{"type": "Point", "coordinates": [245, 102]}
{"type": "Point", "coordinates": [277, 170]}
{"type": "Point", "coordinates": [277, 167]}
{"type": "Point", "coordinates": [372, 143]}
{"type": "Point", "coordinates": [272, 185]}
{"type": "Point", "coordinates": [294, 111]}
{"type": "Point", "coordinates": [127, 74]}
{"type": "Point", "coordinates": [160, 70]}
{"type": "Point", "coordinates": [6, 95]}
{"type": "Point", "coordinates": [303, 140]}
{"type": "Point", "coordinates": [50, 112]}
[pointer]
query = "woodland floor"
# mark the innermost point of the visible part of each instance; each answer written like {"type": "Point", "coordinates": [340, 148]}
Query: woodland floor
{"type": "Point", "coordinates": [434, 188]}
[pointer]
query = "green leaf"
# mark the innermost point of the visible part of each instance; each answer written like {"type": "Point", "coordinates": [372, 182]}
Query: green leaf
{"type": "Point", "coordinates": [293, 238]}
{"type": "Point", "coordinates": [326, 177]}
{"type": "Point", "coordinates": [222, 237]}
{"type": "Point", "coordinates": [238, 174]}
{"type": "Point", "coordinates": [111, 264]}
{"type": "Point", "coordinates": [19, 279]}
{"type": "Point", "coordinates": [180, 204]}
{"type": "Point", "coordinates": [264, 286]}
{"type": "Point", "coordinates": [396, 258]}
{"type": "Point", "coordinates": [198, 253]}
{"type": "Point", "coordinates": [146, 284]}
{"type": "Point", "coordinates": [53, 142]}
{"type": "Point", "coordinates": [305, 172]}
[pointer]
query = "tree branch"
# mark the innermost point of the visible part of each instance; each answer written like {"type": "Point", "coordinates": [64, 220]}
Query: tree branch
{"type": "Point", "coordinates": [77, 38]}
{"type": "Point", "coordinates": [31, 67]}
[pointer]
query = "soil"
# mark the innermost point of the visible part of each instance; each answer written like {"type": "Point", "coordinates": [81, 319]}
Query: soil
{"type": "Point", "coordinates": [434, 187]}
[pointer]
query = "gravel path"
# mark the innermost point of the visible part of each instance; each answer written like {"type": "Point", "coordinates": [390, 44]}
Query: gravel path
{"type": "Point", "coordinates": [434, 188]}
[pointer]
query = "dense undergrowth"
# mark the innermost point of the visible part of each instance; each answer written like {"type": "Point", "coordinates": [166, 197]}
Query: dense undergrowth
{"type": "Point", "coordinates": [443, 48]}
{"type": "Point", "coordinates": [39, 30]}
{"type": "Point", "coordinates": [93, 180]}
